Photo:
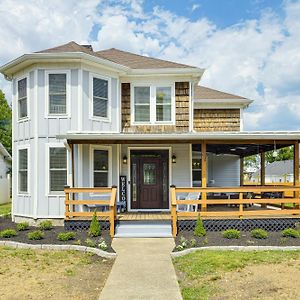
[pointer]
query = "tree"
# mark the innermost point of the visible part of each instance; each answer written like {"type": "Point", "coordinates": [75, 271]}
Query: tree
{"type": "Point", "coordinates": [5, 123]}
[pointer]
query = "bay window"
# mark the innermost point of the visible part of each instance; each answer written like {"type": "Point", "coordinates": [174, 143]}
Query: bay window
{"type": "Point", "coordinates": [57, 168]}
{"type": "Point", "coordinates": [22, 99]}
{"type": "Point", "coordinates": [57, 94]}
{"type": "Point", "coordinates": [23, 170]}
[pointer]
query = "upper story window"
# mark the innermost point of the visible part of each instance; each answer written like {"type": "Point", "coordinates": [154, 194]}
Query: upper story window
{"type": "Point", "coordinates": [100, 98]}
{"type": "Point", "coordinates": [57, 168]}
{"type": "Point", "coordinates": [153, 105]}
{"type": "Point", "coordinates": [22, 99]}
{"type": "Point", "coordinates": [23, 170]}
{"type": "Point", "coordinates": [57, 94]}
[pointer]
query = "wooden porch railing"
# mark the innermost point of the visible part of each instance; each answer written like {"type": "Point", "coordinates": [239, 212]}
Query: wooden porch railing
{"type": "Point", "coordinates": [70, 204]}
{"type": "Point", "coordinates": [258, 190]}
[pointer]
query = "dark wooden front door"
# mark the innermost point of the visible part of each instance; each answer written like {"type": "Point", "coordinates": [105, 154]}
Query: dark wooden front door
{"type": "Point", "coordinates": [149, 179]}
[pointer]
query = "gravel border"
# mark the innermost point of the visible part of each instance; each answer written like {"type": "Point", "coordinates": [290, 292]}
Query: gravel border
{"type": "Point", "coordinates": [235, 248]}
{"type": "Point", "coordinates": [96, 251]}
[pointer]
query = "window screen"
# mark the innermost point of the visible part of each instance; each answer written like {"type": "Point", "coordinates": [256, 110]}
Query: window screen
{"type": "Point", "coordinates": [100, 97]}
{"type": "Point", "coordinates": [58, 168]}
{"type": "Point", "coordinates": [23, 170]}
{"type": "Point", "coordinates": [22, 98]}
{"type": "Point", "coordinates": [57, 93]}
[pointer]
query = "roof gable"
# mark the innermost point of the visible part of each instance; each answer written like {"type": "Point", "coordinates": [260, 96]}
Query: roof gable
{"type": "Point", "coordinates": [205, 93]}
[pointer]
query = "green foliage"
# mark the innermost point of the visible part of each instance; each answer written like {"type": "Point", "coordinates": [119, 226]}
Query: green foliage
{"type": "Point", "coordinates": [46, 225]}
{"type": "Point", "coordinates": [5, 123]}
{"type": "Point", "coordinates": [231, 234]}
{"type": "Point", "coordinates": [66, 236]}
{"type": "Point", "coordinates": [22, 226]}
{"type": "Point", "coordinates": [95, 228]}
{"type": "Point", "coordinates": [102, 245]}
{"type": "Point", "coordinates": [193, 243]}
{"type": "Point", "coordinates": [199, 229]}
{"type": "Point", "coordinates": [36, 235]}
{"type": "Point", "coordinates": [5, 209]}
{"type": "Point", "coordinates": [259, 233]}
{"type": "Point", "coordinates": [91, 243]}
{"type": "Point", "coordinates": [286, 153]}
{"type": "Point", "coordinates": [8, 233]}
{"type": "Point", "coordinates": [290, 232]}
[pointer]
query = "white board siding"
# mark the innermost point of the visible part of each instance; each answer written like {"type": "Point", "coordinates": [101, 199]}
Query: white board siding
{"type": "Point", "coordinates": [224, 170]}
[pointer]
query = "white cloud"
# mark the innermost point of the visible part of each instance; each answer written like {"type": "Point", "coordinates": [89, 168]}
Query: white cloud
{"type": "Point", "coordinates": [258, 58]}
{"type": "Point", "coordinates": [195, 7]}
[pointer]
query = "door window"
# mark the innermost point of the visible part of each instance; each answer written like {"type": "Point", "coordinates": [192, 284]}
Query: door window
{"type": "Point", "coordinates": [149, 170]}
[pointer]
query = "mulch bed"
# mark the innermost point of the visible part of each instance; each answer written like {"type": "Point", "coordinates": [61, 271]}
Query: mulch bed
{"type": "Point", "coordinates": [216, 239]}
{"type": "Point", "coordinates": [51, 235]}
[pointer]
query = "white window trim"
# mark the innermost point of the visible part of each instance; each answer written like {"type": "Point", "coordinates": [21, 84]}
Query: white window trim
{"type": "Point", "coordinates": [107, 148]}
{"type": "Point", "coordinates": [22, 147]}
{"type": "Point", "coordinates": [91, 106]}
{"type": "Point", "coordinates": [68, 94]}
{"type": "Point", "coordinates": [20, 120]}
{"type": "Point", "coordinates": [47, 163]}
{"type": "Point", "coordinates": [153, 103]}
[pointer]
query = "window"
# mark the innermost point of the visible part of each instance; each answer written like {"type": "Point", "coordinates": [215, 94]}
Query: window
{"type": "Point", "coordinates": [100, 97]}
{"type": "Point", "coordinates": [163, 104]}
{"type": "Point", "coordinates": [57, 94]}
{"type": "Point", "coordinates": [101, 168]}
{"type": "Point", "coordinates": [22, 98]}
{"type": "Point", "coordinates": [23, 170]}
{"type": "Point", "coordinates": [57, 168]}
{"type": "Point", "coordinates": [142, 104]}
{"type": "Point", "coordinates": [153, 104]}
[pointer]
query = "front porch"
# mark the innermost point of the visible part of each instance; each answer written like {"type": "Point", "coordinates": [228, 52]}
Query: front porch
{"type": "Point", "coordinates": [213, 202]}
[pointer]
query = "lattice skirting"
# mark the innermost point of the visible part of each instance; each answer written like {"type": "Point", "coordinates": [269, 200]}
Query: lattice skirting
{"type": "Point", "coordinates": [83, 225]}
{"type": "Point", "coordinates": [243, 225]}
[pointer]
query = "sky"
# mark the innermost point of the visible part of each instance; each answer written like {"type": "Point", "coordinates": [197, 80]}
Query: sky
{"type": "Point", "coordinates": [248, 47]}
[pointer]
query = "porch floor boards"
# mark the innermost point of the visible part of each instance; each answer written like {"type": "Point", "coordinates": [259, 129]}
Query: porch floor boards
{"type": "Point", "coordinates": [138, 216]}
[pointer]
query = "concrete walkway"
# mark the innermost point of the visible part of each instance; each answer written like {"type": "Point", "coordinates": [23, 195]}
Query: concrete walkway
{"type": "Point", "coordinates": [143, 270]}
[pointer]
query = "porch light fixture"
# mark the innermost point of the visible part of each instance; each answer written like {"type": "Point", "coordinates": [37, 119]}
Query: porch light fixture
{"type": "Point", "coordinates": [124, 159]}
{"type": "Point", "coordinates": [174, 159]}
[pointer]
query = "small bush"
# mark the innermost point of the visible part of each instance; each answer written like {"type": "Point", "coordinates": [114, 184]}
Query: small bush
{"type": "Point", "coordinates": [66, 236]}
{"type": "Point", "coordinates": [193, 243]}
{"type": "Point", "coordinates": [78, 242]}
{"type": "Point", "coordinates": [102, 245]}
{"type": "Point", "coordinates": [91, 243]}
{"type": "Point", "coordinates": [8, 233]}
{"type": "Point", "coordinates": [199, 229]}
{"type": "Point", "coordinates": [95, 228]}
{"type": "Point", "coordinates": [22, 226]}
{"type": "Point", "coordinates": [46, 225]}
{"type": "Point", "coordinates": [290, 232]}
{"type": "Point", "coordinates": [35, 235]}
{"type": "Point", "coordinates": [232, 234]}
{"type": "Point", "coordinates": [259, 233]}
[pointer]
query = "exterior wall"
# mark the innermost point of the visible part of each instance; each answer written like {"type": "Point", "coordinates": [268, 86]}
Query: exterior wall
{"type": "Point", "coordinates": [4, 166]}
{"type": "Point", "coordinates": [216, 120]}
{"type": "Point", "coordinates": [223, 170]}
{"type": "Point", "coordinates": [182, 107]}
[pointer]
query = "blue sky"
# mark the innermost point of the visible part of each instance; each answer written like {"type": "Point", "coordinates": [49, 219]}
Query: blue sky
{"type": "Point", "coordinates": [248, 47]}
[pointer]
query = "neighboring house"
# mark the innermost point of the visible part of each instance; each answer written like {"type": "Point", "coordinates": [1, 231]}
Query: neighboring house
{"type": "Point", "coordinates": [85, 118]}
{"type": "Point", "coordinates": [5, 169]}
{"type": "Point", "coordinates": [277, 172]}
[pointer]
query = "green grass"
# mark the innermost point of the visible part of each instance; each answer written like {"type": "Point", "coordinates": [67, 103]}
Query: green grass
{"type": "Point", "coordinates": [198, 271]}
{"type": "Point", "coordinates": [5, 208]}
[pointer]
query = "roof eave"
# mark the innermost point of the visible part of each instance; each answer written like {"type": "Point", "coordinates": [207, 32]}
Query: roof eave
{"type": "Point", "coordinates": [206, 103]}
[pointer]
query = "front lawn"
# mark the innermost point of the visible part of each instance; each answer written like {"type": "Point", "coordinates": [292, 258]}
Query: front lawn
{"type": "Point", "coordinates": [239, 274]}
{"type": "Point", "coordinates": [5, 208]}
{"type": "Point", "coordinates": [40, 274]}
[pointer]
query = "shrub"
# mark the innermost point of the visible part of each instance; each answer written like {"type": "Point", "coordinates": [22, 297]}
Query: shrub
{"type": "Point", "coordinates": [232, 234]}
{"type": "Point", "coordinates": [199, 229]}
{"type": "Point", "coordinates": [290, 232]}
{"type": "Point", "coordinates": [35, 235]}
{"type": "Point", "coordinates": [46, 225]}
{"type": "Point", "coordinates": [95, 228]}
{"type": "Point", "coordinates": [259, 233]}
{"type": "Point", "coordinates": [193, 243]}
{"type": "Point", "coordinates": [22, 226]}
{"type": "Point", "coordinates": [8, 233]}
{"type": "Point", "coordinates": [66, 236]}
{"type": "Point", "coordinates": [90, 243]}
{"type": "Point", "coordinates": [78, 242]}
{"type": "Point", "coordinates": [102, 245]}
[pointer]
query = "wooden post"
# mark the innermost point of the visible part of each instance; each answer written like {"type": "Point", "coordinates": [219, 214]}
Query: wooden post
{"type": "Point", "coordinates": [241, 207]}
{"type": "Point", "coordinates": [203, 175]}
{"type": "Point", "coordinates": [73, 173]}
{"type": "Point", "coordinates": [173, 210]}
{"type": "Point", "coordinates": [296, 170]}
{"type": "Point", "coordinates": [112, 213]}
{"type": "Point", "coordinates": [263, 173]}
{"type": "Point", "coordinates": [67, 208]}
{"type": "Point", "coordinates": [241, 171]}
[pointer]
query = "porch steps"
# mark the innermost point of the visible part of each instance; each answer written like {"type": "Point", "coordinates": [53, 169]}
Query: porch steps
{"type": "Point", "coordinates": [143, 229]}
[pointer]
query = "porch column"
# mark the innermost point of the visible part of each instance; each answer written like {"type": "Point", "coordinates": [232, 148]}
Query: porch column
{"type": "Point", "coordinates": [296, 169]}
{"type": "Point", "coordinates": [241, 171]}
{"type": "Point", "coordinates": [203, 174]}
{"type": "Point", "coordinates": [263, 173]}
{"type": "Point", "coordinates": [72, 174]}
